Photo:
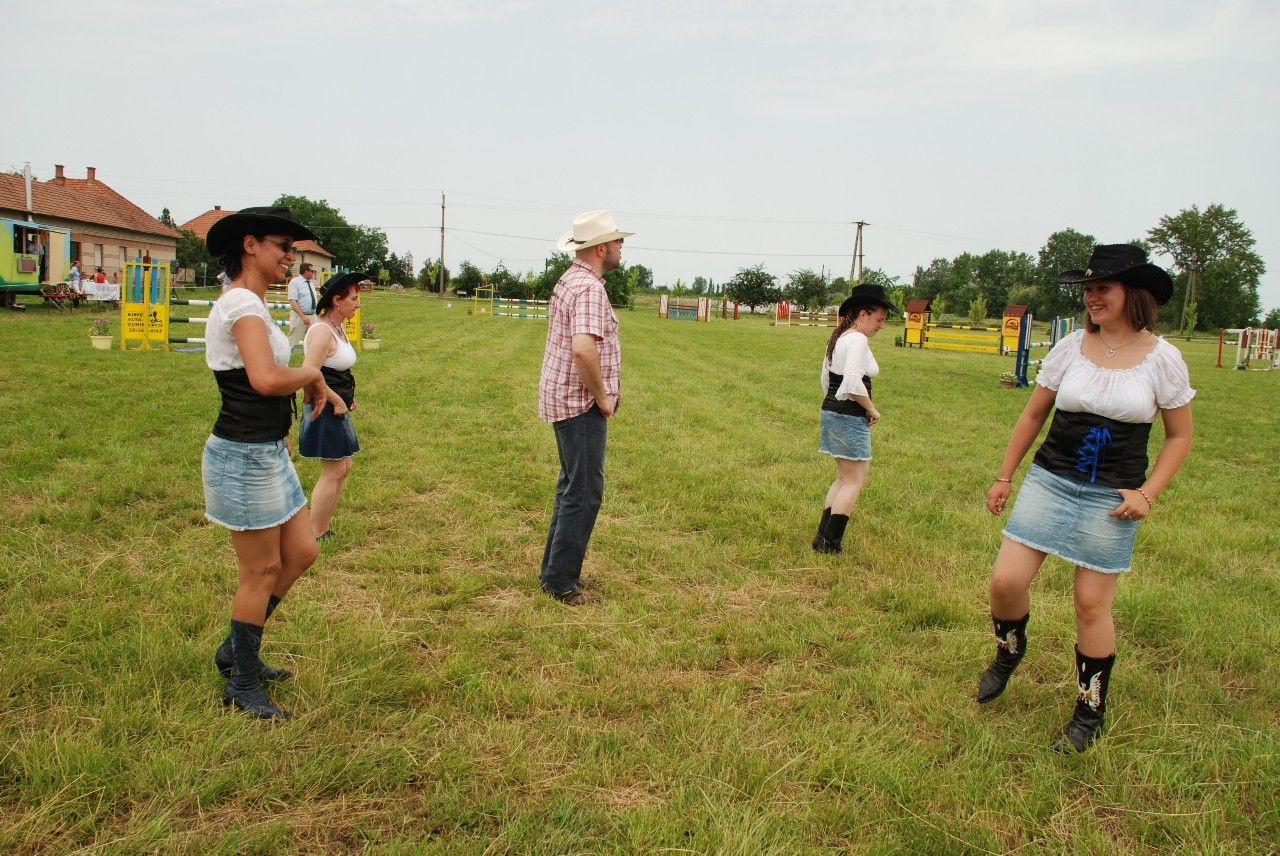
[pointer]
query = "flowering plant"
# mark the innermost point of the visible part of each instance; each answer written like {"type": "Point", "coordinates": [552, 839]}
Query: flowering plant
{"type": "Point", "coordinates": [369, 331]}
{"type": "Point", "coordinates": [101, 327]}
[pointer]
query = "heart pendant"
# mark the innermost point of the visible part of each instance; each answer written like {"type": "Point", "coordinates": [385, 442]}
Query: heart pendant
{"type": "Point", "coordinates": [1111, 352]}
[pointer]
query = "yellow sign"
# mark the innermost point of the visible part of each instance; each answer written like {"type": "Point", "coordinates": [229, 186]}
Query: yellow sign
{"type": "Point", "coordinates": [144, 306]}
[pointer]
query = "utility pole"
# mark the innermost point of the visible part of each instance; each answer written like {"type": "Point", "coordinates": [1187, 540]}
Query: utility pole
{"type": "Point", "coordinates": [440, 272]}
{"type": "Point", "coordinates": [855, 264]}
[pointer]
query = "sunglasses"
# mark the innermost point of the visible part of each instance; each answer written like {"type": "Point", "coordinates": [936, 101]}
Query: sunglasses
{"type": "Point", "coordinates": [286, 247]}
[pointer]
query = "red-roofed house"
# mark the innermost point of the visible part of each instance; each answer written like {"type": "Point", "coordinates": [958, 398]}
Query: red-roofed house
{"type": "Point", "coordinates": [303, 251]}
{"type": "Point", "coordinates": [105, 228]}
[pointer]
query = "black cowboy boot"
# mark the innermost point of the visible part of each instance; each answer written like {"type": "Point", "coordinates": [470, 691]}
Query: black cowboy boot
{"type": "Point", "coordinates": [1011, 647]}
{"type": "Point", "coordinates": [222, 657]}
{"type": "Point", "coordinates": [1093, 675]}
{"type": "Point", "coordinates": [820, 539]}
{"type": "Point", "coordinates": [244, 687]}
{"type": "Point", "coordinates": [833, 534]}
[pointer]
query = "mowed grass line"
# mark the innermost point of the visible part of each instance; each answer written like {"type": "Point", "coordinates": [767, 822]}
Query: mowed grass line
{"type": "Point", "coordinates": [735, 693]}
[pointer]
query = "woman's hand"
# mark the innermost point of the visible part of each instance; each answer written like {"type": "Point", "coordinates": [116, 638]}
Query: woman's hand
{"type": "Point", "coordinates": [998, 497]}
{"type": "Point", "coordinates": [339, 406]}
{"type": "Point", "coordinates": [873, 415]}
{"type": "Point", "coordinates": [1133, 505]}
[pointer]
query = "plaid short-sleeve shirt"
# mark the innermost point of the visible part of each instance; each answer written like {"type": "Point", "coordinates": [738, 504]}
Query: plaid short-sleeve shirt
{"type": "Point", "coordinates": [579, 304]}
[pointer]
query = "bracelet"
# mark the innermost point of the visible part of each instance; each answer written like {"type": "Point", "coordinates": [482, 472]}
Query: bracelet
{"type": "Point", "coordinates": [1150, 503]}
{"type": "Point", "coordinates": [1006, 481]}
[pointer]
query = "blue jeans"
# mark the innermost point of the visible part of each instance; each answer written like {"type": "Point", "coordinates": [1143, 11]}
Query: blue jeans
{"type": "Point", "coordinates": [580, 441]}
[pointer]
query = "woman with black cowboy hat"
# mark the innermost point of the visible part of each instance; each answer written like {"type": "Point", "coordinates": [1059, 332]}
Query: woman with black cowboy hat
{"type": "Point", "coordinates": [1088, 485]}
{"type": "Point", "coordinates": [250, 485]}
{"type": "Point", "coordinates": [330, 436]}
{"type": "Point", "coordinates": [847, 412]}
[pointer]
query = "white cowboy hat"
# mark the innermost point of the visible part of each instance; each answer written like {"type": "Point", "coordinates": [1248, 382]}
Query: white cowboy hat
{"type": "Point", "coordinates": [590, 229]}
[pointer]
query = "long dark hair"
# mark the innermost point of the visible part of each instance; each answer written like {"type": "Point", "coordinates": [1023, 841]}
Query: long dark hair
{"type": "Point", "coordinates": [842, 326]}
{"type": "Point", "coordinates": [233, 261]}
{"type": "Point", "coordinates": [1139, 307]}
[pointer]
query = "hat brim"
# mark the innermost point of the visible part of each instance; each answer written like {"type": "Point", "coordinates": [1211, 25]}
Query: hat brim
{"type": "Point", "coordinates": [851, 305]}
{"type": "Point", "coordinates": [337, 284]}
{"type": "Point", "coordinates": [224, 234]}
{"type": "Point", "coordinates": [1146, 276]}
{"type": "Point", "coordinates": [567, 244]}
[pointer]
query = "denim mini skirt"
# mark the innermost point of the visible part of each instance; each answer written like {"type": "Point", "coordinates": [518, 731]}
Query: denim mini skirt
{"type": "Point", "coordinates": [845, 436]}
{"type": "Point", "coordinates": [328, 437]}
{"type": "Point", "coordinates": [1069, 519]}
{"type": "Point", "coordinates": [249, 485]}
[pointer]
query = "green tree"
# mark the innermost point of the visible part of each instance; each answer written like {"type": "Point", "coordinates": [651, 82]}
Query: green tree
{"type": "Point", "coordinates": [193, 254]}
{"type": "Point", "coordinates": [807, 288]}
{"type": "Point", "coordinates": [699, 286]}
{"type": "Point", "coordinates": [998, 272]}
{"type": "Point", "coordinates": [978, 310]}
{"type": "Point", "coordinates": [618, 283]}
{"type": "Point", "coordinates": [552, 269]}
{"type": "Point", "coordinates": [1272, 321]}
{"type": "Point", "coordinates": [753, 286]}
{"type": "Point", "coordinates": [468, 279]}
{"type": "Point", "coordinates": [354, 247]}
{"type": "Point", "coordinates": [1064, 250]}
{"type": "Point", "coordinates": [870, 276]}
{"type": "Point", "coordinates": [167, 219]}
{"type": "Point", "coordinates": [1214, 252]}
{"type": "Point", "coordinates": [429, 276]}
{"type": "Point", "coordinates": [399, 269]}
{"type": "Point", "coordinates": [506, 284]}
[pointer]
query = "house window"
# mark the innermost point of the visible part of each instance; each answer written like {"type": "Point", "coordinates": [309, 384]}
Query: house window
{"type": "Point", "coordinates": [75, 252]}
{"type": "Point", "coordinates": [97, 255]}
{"type": "Point", "coordinates": [124, 256]}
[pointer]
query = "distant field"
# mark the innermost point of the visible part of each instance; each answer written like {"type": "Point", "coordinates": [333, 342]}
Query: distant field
{"type": "Point", "coordinates": [734, 693]}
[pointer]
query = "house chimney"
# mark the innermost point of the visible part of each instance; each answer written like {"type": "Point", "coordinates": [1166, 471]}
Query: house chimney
{"type": "Point", "coordinates": [93, 174]}
{"type": "Point", "coordinates": [57, 171]}
{"type": "Point", "coordinates": [217, 208]}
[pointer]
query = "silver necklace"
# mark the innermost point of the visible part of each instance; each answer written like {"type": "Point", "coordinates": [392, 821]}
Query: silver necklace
{"type": "Point", "coordinates": [1110, 351]}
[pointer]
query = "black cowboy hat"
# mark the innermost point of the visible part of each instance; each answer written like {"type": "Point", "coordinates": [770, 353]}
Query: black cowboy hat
{"type": "Point", "coordinates": [336, 285]}
{"type": "Point", "coordinates": [1126, 263]}
{"type": "Point", "coordinates": [866, 295]}
{"type": "Point", "coordinates": [261, 220]}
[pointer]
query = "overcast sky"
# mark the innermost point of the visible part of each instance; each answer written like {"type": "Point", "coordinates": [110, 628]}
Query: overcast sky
{"type": "Point", "coordinates": [725, 134]}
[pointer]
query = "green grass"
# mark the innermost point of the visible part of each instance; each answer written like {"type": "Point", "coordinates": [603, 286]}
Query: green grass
{"type": "Point", "coordinates": [733, 694]}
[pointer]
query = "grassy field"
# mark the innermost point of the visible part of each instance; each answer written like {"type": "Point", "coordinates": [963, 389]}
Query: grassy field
{"type": "Point", "coordinates": [734, 693]}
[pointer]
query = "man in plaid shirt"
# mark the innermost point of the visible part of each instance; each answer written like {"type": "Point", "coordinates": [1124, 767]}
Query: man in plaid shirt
{"type": "Point", "coordinates": [577, 393]}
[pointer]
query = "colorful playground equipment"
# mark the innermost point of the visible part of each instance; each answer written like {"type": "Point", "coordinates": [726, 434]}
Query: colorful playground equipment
{"type": "Point", "coordinates": [786, 315]}
{"type": "Point", "coordinates": [677, 311]}
{"type": "Point", "coordinates": [146, 295]}
{"type": "Point", "coordinates": [485, 302]}
{"type": "Point", "coordinates": [20, 270]}
{"type": "Point", "coordinates": [1012, 336]}
{"type": "Point", "coordinates": [1253, 344]}
{"type": "Point", "coordinates": [1058, 328]}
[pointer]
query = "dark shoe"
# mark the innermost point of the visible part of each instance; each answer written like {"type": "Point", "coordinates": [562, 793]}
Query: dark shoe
{"type": "Point", "coordinates": [833, 534]}
{"type": "Point", "coordinates": [326, 535]}
{"type": "Point", "coordinates": [820, 540]}
{"type": "Point", "coordinates": [1080, 732]}
{"type": "Point", "coordinates": [1011, 647]}
{"type": "Point", "coordinates": [223, 660]}
{"type": "Point", "coordinates": [253, 702]}
{"type": "Point", "coordinates": [1093, 676]}
{"type": "Point", "coordinates": [244, 687]}
{"type": "Point", "coordinates": [577, 597]}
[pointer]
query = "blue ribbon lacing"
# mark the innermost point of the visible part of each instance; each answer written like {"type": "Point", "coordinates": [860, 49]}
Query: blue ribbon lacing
{"type": "Point", "coordinates": [1092, 451]}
